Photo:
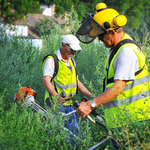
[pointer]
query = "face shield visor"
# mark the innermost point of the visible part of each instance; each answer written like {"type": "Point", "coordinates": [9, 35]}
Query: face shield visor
{"type": "Point", "coordinates": [89, 30]}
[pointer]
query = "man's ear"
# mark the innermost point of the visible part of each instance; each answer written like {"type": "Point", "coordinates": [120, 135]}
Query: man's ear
{"type": "Point", "coordinates": [113, 32]}
{"type": "Point", "coordinates": [63, 44]}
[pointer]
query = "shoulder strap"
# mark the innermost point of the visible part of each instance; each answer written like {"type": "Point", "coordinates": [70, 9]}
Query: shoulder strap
{"type": "Point", "coordinates": [112, 55]}
{"type": "Point", "coordinates": [74, 64]}
{"type": "Point", "coordinates": [56, 66]}
{"type": "Point", "coordinates": [118, 46]}
{"type": "Point", "coordinates": [76, 71]}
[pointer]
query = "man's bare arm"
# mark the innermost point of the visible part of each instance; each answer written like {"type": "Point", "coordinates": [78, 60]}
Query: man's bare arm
{"type": "Point", "coordinates": [85, 107]}
{"type": "Point", "coordinates": [49, 87]}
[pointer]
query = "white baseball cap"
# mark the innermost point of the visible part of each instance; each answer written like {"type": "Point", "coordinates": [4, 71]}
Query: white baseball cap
{"type": "Point", "coordinates": [72, 41]}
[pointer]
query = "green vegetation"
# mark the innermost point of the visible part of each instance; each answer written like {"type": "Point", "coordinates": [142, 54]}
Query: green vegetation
{"type": "Point", "coordinates": [46, 26]}
{"type": "Point", "coordinates": [20, 128]}
{"type": "Point", "coordinates": [11, 10]}
{"type": "Point", "coordinates": [137, 12]}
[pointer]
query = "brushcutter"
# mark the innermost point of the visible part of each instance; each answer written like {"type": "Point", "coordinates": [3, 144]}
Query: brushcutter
{"type": "Point", "coordinates": [25, 98]}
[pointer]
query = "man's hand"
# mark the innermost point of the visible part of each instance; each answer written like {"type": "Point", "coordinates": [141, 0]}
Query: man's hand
{"type": "Point", "coordinates": [84, 109]}
{"type": "Point", "coordinates": [60, 99]}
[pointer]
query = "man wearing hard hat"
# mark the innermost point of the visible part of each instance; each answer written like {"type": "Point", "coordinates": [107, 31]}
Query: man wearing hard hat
{"type": "Point", "coordinates": [127, 83]}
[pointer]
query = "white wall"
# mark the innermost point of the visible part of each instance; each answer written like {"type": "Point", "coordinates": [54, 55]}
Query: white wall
{"type": "Point", "coordinates": [47, 12]}
{"type": "Point", "coordinates": [16, 30]}
{"type": "Point", "coordinates": [36, 43]}
{"type": "Point", "coordinates": [20, 30]}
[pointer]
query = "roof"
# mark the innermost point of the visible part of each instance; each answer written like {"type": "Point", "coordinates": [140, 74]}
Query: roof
{"type": "Point", "coordinates": [31, 19]}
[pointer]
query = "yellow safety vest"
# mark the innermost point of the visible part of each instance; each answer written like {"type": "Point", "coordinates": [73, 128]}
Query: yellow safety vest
{"type": "Point", "coordinates": [65, 81]}
{"type": "Point", "coordinates": [135, 100]}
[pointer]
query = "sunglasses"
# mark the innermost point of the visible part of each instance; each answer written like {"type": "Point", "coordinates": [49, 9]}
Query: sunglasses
{"type": "Point", "coordinates": [100, 36]}
{"type": "Point", "coordinates": [70, 49]}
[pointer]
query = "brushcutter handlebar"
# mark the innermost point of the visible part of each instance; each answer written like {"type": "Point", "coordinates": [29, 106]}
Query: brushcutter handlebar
{"type": "Point", "coordinates": [76, 104]}
{"type": "Point", "coordinates": [93, 112]}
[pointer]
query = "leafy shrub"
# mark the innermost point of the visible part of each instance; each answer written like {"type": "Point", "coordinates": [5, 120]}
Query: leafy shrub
{"type": "Point", "coordinates": [18, 61]}
{"type": "Point", "coordinates": [30, 130]}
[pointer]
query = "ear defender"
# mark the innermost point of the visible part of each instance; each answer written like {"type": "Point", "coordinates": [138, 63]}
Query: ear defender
{"type": "Point", "coordinates": [106, 25]}
{"type": "Point", "coordinates": [120, 20]}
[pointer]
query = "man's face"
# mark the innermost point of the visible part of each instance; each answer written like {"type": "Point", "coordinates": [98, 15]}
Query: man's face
{"type": "Point", "coordinates": [107, 39]}
{"type": "Point", "coordinates": [71, 51]}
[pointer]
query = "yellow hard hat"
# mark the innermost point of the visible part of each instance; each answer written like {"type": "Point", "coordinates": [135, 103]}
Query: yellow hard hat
{"type": "Point", "coordinates": [103, 21]}
{"type": "Point", "coordinates": [100, 6]}
{"type": "Point", "coordinates": [110, 19]}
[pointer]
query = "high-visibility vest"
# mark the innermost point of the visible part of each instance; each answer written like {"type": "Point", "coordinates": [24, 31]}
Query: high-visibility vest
{"type": "Point", "coordinates": [134, 101]}
{"type": "Point", "coordinates": [65, 81]}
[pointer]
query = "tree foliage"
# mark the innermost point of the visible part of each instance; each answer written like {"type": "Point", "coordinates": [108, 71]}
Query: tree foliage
{"type": "Point", "coordinates": [137, 12]}
{"type": "Point", "coordinates": [131, 8]}
{"type": "Point", "coordinates": [11, 10]}
{"type": "Point", "coordinates": [45, 26]}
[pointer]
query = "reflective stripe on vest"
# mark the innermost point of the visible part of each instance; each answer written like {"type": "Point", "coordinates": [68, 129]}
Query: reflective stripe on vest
{"type": "Point", "coordinates": [135, 94]}
{"type": "Point", "coordinates": [143, 93]}
{"type": "Point", "coordinates": [65, 86]}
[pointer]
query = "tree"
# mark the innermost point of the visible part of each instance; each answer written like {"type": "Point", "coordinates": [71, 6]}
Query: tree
{"type": "Point", "coordinates": [140, 35]}
{"type": "Point", "coordinates": [11, 10]}
{"type": "Point", "coordinates": [135, 11]}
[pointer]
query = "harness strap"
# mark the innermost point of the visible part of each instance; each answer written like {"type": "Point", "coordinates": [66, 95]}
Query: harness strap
{"type": "Point", "coordinates": [114, 51]}
{"type": "Point", "coordinates": [56, 66]}
{"type": "Point", "coordinates": [76, 73]}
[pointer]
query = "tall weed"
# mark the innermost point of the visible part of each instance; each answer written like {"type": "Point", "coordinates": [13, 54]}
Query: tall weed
{"type": "Point", "coordinates": [21, 128]}
{"type": "Point", "coordinates": [18, 61]}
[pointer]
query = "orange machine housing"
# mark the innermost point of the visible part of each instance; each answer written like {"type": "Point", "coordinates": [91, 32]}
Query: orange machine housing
{"type": "Point", "coordinates": [24, 92]}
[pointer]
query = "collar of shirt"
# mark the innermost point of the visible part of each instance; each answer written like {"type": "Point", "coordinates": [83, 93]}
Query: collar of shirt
{"type": "Point", "coordinates": [60, 57]}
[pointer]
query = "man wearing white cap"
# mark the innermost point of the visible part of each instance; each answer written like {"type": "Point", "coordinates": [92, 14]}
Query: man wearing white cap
{"type": "Point", "coordinates": [66, 83]}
